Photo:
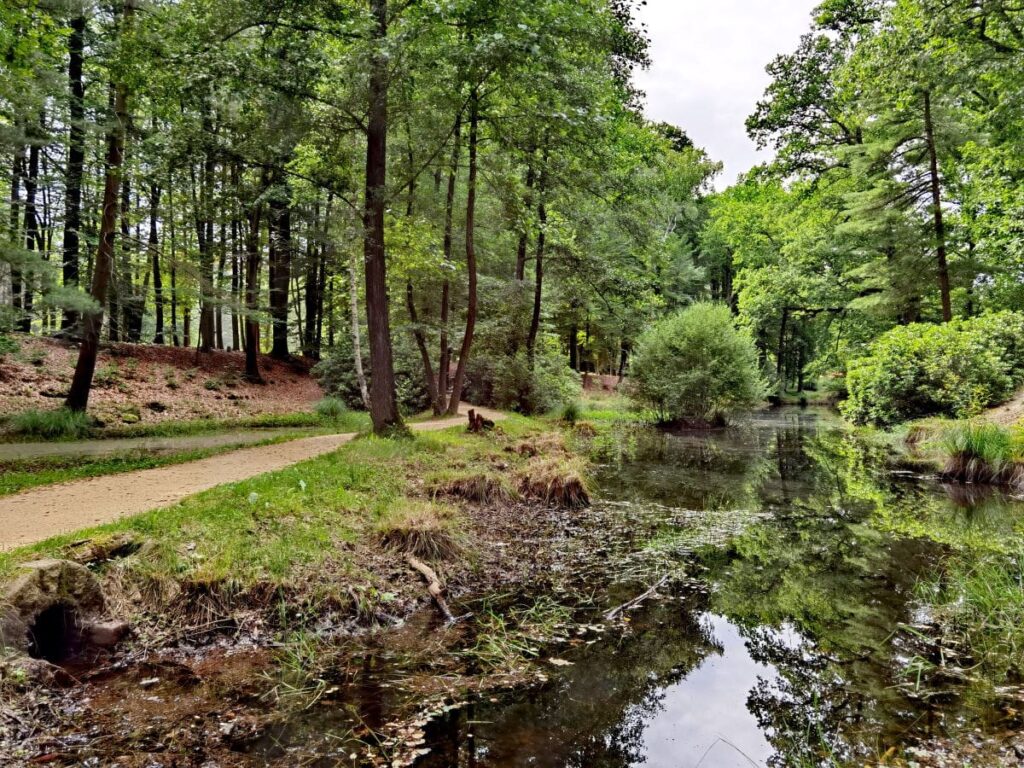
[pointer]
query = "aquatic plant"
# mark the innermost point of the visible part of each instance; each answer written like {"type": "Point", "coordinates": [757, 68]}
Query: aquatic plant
{"type": "Point", "coordinates": [978, 452]}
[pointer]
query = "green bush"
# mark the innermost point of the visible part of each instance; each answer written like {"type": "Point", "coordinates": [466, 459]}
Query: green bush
{"type": "Point", "coordinates": [501, 378]}
{"type": "Point", "coordinates": [956, 369]}
{"type": "Point", "coordinates": [337, 376]}
{"type": "Point", "coordinates": [51, 424]}
{"type": "Point", "coordinates": [696, 365]}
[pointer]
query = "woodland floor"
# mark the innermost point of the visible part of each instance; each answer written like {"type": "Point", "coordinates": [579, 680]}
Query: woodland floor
{"type": "Point", "coordinates": [149, 383]}
{"type": "Point", "coordinates": [38, 514]}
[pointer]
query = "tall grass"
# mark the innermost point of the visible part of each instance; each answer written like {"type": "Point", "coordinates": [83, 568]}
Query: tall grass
{"type": "Point", "coordinates": [979, 601]}
{"type": "Point", "coordinates": [978, 452]}
{"type": "Point", "coordinates": [61, 423]}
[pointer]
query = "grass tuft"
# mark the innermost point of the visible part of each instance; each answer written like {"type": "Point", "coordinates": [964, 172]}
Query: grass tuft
{"type": "Point", "coordinates": [422, 530]}
{"type": "Point", "coordinates": [556, 481]}
{"type": "Point", "coordinates": [331, 409]}
{"type": "Point", "coordinates": [61, 423]}
{"type": "Point", "coordinates": [480, 487]}
{"type": "Point", "coordinates": [979, 452]}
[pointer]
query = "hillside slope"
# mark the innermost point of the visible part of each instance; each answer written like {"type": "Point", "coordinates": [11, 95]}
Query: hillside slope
{"type": "Point", "coordinates": [144, 382]}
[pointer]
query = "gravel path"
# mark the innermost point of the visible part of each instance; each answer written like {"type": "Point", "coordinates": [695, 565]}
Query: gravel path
{"type": "Point", "coordinates": [40, 513]}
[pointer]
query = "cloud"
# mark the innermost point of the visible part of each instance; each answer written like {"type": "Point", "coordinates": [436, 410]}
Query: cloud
{"type": "Point", "coordinates": [708, 68]}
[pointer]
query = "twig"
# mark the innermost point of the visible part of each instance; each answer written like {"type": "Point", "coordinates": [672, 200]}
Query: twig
{"type": "Point", "coordinates": [433, 585]}
{"type": "Point", "coordinates": [635, 601]}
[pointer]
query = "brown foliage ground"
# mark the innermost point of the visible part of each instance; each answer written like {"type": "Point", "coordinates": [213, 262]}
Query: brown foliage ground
{"type": "Point", "coordinates": [149, 383]}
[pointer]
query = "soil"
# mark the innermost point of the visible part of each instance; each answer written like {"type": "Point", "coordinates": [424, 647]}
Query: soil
{"type": "Point", "coordinates": [1008, 414]}
{"type": "Point", "coordinates": [38, 514]}
{"type": "Point", "coordinates": [150, 383]}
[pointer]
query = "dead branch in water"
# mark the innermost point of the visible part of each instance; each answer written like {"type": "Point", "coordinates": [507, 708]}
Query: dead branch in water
{"type": "Point", "coordinates": [635, 601]}
{"type": "Point", "coordinates": [433, 585]}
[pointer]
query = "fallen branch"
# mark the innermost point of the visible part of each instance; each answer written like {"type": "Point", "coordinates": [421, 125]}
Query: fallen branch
{"type": "Point", "coordinates": [433, 585]}
{"type": "Point", "coordinates": [614, 612]}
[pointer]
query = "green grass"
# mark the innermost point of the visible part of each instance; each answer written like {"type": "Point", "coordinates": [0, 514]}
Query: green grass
{"type": "Point", "coordinates": [981, 452]}
{"type": "Point", "coordinates": [347, 421]}
{"type": "Point", "coordinates": [21, 475]}
{"type": "Point", "coordinates": [287, 527]}
{"type": "Point", "coordinates": [979, 602]}
{"type": "Point", "coordinates": [50, 425]}
{"type": "Point", "coordinates": [332, 409]}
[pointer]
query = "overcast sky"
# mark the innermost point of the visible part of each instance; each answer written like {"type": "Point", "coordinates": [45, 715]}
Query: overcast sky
{"type": "Point", "coordinates": [708, 68]}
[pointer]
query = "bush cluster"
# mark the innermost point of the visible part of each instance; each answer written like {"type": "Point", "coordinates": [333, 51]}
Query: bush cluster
{"type": "Point", "coordinates": [956, 369]}
{"type": "Point", "coordinates": [696, 365]}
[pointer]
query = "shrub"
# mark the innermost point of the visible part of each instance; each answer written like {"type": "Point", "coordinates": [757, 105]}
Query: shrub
{"type": "Point", "coordinates": [337, 376]}
{"type": "Point", "coordinates": [571, 412]}
{"type": "Point", "coordinates": [331, 409]}
{"type": "Point", "coordinates": [501, 378]}
{"type": "Point", "coordinates": [956, 369]}
{"type": "Point", "coordinates": [51, 424]}
{"type": "Point", "coordinates": [696, 365]}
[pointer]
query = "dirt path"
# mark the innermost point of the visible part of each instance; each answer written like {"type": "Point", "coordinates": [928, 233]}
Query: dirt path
{"type": "Point", "coordinates": [94, 448]}
{"type": "Point", "coordinates": [38, 514]}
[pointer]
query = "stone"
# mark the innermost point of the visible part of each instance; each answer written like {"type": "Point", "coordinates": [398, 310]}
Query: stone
{"type": "Point", "coordinates": [105, 634]}
{"type": "Point", "coordinates": [42, 588]}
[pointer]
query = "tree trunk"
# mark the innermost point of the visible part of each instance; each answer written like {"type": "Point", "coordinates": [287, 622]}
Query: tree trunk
{"type": "Point", "coordinates": [154, 250]}
{"type": "Point", "coordinates": [538, 285]}
{"type": "Point", "coordinates": [780, 353]}
{"type": "Point", "coordinates": [940, 225]}
{"type": "Point", "coordinates": [280, 228]}
{"type": "Point", "coordinates": [76, 162]}
{"type": "Point", "coordinates": [357, 346]}
{"type": "Point", "coordinates": [31, 229]}
{"type": "Point", "coordinates": [445, 353]}
{"type": "Point", "coordinates": [383, 400]}
{"type": "Point", "coordinates": [312, 276]}
{"type": "Point", "coordinates": [81, 384]}
{"type": "Point", "coordinates": [421, 344]}
{"type": "Point", "coordinates": [471, 300]}
{"type": "Point", "coordinates": [204, 233]}
{"type": "Point", "coordinates": [524, 234]}
{"type": "Point", "coordinates": [252, 295]}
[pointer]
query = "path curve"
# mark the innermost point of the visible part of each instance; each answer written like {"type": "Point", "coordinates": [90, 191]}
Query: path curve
{"type": "Point", "coordinates": [38, 514]}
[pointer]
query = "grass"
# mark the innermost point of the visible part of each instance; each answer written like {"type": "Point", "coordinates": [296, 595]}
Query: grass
{"type": "Point", "coordinates": [980, 452]}
{"type": "Point", "coordinates": [51, 425]}
{"type": "Point", "coordinates": [979, 603]}
{"type": "Point", "coordinates": [346, 421]}
{"type": "Point", "coordinates": [425, 530]}
{"type": "Point", "coordinates": [508, 636]}
{"type": "Point", "coordinates": [332, 409]}
{"type": "Point", "coordinates": [291, 528]}
{"type": "Point", "coordinates": [16, 476]}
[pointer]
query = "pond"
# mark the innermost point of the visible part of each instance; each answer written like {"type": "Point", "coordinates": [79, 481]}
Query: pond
{"type": "Point", "coordinates": [793, 643]}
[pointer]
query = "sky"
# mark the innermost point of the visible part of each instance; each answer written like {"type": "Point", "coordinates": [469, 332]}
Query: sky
{"type": "Point", "coordinates": [708, 68]}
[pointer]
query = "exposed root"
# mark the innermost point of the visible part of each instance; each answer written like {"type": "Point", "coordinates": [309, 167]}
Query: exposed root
{"type": "Point", "coordinates": [433, 585]}
{"type": "Point", "coordinates": [966, 468]}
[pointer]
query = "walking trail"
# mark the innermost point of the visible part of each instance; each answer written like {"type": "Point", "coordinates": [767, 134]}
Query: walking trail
{"type": "Point", "coordinates": [38, 514]}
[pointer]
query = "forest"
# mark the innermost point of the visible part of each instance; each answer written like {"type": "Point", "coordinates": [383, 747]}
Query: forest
{"type": "Point", "coordinates": [382, 385]}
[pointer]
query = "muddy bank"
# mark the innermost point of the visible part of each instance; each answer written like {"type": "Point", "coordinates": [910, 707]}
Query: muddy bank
{"type": "Point", "coordinates": [216, 671]}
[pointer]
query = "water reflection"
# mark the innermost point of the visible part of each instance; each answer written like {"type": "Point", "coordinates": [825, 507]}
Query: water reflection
{"type": "Point", "coordinates": [812, 548]}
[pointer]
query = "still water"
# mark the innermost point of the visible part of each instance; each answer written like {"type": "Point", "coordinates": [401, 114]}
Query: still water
{"type": "Point", "coordinates": [804, 553]}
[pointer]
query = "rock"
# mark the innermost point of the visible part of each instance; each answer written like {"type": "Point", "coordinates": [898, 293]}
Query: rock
{"type": "Point", "coordinates": [149, 682]}
{"type": "Point", "coordinates": [105, 634]}
{"type": "Point", "coordinates": [48, 596]}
